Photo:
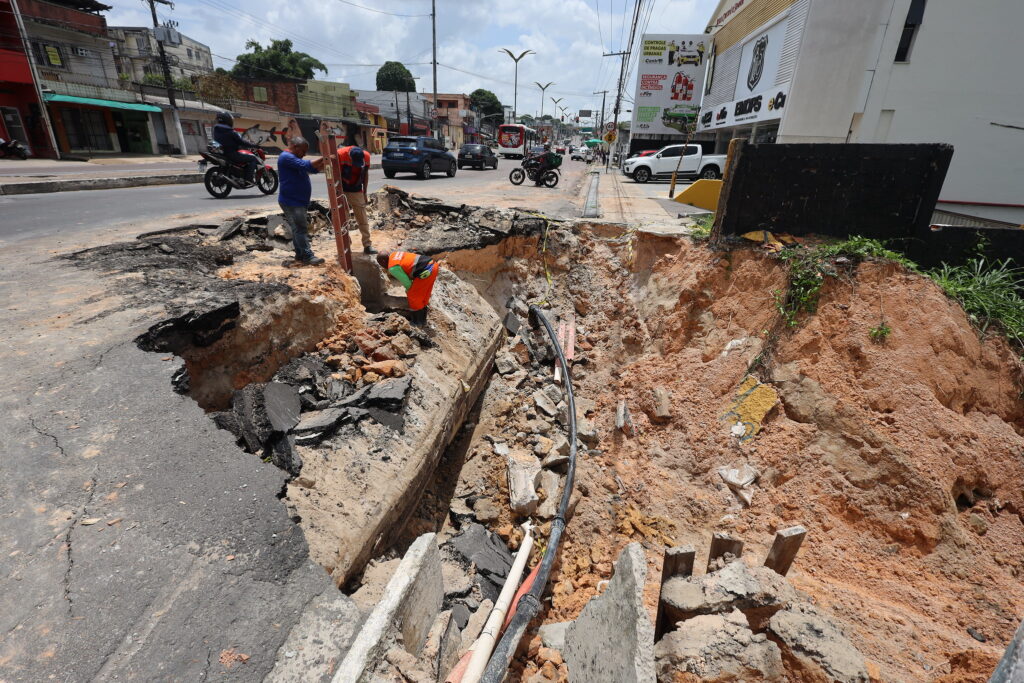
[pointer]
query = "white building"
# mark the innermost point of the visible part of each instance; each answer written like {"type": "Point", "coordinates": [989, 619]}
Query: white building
{"type": "Point", "coordinates": [138, 54]}
{"type": "Point", "coordinates": [895, 71]}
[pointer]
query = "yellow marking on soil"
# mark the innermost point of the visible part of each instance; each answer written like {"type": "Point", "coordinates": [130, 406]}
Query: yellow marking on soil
{"type": "Point", "coordinates": [753, 401]}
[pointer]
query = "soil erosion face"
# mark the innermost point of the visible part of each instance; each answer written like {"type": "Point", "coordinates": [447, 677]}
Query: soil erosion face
{"type": "Point", "coordinates": [902, 458]}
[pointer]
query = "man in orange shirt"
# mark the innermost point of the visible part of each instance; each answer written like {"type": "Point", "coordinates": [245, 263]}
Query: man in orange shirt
{"type": "Point", "coordinates": [417, 274]}
{"type": "Point", "coordinates": [355, 174]}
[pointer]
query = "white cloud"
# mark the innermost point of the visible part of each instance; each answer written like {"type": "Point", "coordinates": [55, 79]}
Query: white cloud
{"type": "Point", "coordinates": [565, 35]}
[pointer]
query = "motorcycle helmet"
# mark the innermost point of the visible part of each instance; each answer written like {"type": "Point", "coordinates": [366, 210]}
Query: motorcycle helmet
{"type": "Point", "coordinates": [225, 118]}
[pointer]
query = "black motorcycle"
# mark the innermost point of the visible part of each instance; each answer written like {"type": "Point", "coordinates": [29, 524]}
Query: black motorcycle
{"type": "Point", "coordinates": [224, 175]}
{"type": "Point", "coordinates": [528, 170]}
{"type": "Point", "coordinates": [12, 148]}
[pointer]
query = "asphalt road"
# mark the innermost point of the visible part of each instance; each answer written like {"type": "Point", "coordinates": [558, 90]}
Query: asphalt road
{"type": "Point", "coordinates": [62, 214]}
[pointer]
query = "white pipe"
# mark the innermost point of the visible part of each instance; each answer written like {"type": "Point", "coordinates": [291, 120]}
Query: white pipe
{"type": "Point", "coordinates": [484, 645]}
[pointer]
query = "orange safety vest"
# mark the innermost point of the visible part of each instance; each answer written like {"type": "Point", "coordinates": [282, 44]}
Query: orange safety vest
{"type": "Point", "coordinates": [422, 279]}
{"type": "Point", "coordinates": [352, 176]}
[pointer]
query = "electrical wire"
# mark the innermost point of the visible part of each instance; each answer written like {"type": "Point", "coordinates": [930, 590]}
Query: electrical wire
{"type": "Point", "coordinates": [380, 11]}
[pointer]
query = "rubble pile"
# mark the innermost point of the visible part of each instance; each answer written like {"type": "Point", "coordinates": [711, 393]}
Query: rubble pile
{"type": "Point", "coordinates": [430, 226]}
{"type": "Point", "coordinates": [266, 232]}
{"type": "Point", "coordinates": [317, 394]}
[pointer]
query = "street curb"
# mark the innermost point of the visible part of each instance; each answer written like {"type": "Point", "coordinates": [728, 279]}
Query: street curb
{"type": "Point", "coordinates": [72, 185]}
{"type": "Point", "coordinates": [592, 209]}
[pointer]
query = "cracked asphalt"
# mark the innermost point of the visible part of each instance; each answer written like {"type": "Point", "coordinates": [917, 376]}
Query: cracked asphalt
{"type": "Point", "coordinates": [137, 541]}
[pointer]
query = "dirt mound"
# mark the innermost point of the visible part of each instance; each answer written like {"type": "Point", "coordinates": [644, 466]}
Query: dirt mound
{"type": "Point", "coordinates": [901, 456]}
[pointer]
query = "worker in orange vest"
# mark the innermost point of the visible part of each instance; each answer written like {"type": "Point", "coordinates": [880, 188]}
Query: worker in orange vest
{"type": "Point", "coordinates": [417, 274]}
{"type": "Point", "coordinates": [355, 175]}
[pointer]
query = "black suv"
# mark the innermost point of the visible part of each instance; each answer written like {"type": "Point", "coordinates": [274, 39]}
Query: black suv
{"type": "Point", "coordinates": [422, 156]}
{"type": "Point", "coordinates": [480, 156]}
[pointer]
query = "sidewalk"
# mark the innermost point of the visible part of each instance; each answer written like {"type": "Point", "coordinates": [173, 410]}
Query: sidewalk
{"type": "Point", "coordinates": [647, 205]}
{"type": "Point", "coordinates": [35, 176]}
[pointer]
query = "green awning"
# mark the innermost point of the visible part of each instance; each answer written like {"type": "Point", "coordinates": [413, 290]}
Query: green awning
{"type": "Point", "coordinates": [110, 104]}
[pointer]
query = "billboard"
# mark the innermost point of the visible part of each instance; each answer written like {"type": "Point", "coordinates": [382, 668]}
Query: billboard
{"type": "Point", "coordinates": [757, 96]}
{"type": "Point", "coordinates": [586, 113]}
{"type": "Point", "coordinates": [669, 83]}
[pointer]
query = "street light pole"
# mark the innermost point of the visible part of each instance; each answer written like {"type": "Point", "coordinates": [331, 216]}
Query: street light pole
{"type": "Point", "coordinates": [542, 89]}
{"type": "Point", "coordinates": [433, 33]}
{"type": "Point", "coordinates": [603, 94]}
{"type": "Point", "coordinates": [515, 86]}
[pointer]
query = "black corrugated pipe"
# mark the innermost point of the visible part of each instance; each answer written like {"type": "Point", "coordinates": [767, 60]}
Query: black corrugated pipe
{"type": "Point", "coordinates": [529, 605]}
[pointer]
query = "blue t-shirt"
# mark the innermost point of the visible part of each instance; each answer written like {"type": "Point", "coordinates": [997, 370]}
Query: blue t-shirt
{"type": "Point", "coordinates": [294, 176]}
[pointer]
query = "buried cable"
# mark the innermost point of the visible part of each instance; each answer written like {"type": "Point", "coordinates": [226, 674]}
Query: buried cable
{"type": "Point", "coordinates": [529, 605]}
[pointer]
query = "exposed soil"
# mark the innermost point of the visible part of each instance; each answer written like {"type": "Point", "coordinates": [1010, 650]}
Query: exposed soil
{"type": "Point", "coordinates": [902, 458]}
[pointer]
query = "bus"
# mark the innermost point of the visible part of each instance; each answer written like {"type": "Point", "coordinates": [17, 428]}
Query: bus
{"type": "Point", "coordinates": [515, 139]}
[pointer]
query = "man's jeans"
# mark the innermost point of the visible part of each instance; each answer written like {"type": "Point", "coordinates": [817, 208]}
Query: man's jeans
{"type": "Point", "coordinates": [297, 221]}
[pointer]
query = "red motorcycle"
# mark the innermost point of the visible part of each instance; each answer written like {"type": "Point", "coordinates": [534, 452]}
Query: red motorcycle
{"type": "Point", "coordinates": [224, 175]}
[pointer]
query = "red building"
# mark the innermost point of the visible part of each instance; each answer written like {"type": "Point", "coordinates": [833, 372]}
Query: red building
{"type": "Point", "coordinates": [21, 115]}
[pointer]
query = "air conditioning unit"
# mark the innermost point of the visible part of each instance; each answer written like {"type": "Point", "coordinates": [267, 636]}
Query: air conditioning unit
{"type": "Point", "coordinates": [81, 52]}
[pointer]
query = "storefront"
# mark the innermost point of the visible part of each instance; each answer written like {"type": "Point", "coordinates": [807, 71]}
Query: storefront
{"type": "Point", "coordinates": [20, 114]}
{"type": "Point", "coordinates": [84, 125]}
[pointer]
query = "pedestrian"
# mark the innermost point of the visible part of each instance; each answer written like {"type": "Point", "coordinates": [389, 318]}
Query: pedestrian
{"type": "Point", "coordinates": [417, 274]}
{"type": "Point", "coordinates": [294, 196]}
{"type": "Point", "coordinates": [355, 177]}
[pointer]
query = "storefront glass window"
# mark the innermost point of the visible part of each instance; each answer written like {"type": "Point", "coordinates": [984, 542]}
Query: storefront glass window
{"type": "Point", "coordinates": [766, 133]}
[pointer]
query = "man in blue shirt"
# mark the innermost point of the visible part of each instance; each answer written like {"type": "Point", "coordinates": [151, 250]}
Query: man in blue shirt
{"type": "Point", "coordinates": [293, 198]}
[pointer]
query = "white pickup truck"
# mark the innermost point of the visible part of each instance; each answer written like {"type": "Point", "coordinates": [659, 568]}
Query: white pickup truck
{"type": "Point", "coordinates": [695, 164]}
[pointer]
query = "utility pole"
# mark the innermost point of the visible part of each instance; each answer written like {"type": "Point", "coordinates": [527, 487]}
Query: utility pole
{"type": "Point", "coordinates": [603, 94]}
{"type": "Point", "coordinates": [433, 34]}
{"type": "Point", "coordinates": [398, 116]}
{"type": "Point", "coordinates": [35, 77]}
{"type": "Point", "coordinates": [408, 113]}
{"type": "Point", "coordinates": [167, 73]}
{"type": "Point", "coordinates": [622, 76]}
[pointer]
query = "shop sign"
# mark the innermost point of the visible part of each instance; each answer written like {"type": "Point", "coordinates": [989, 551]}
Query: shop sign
{"type": "Point", "coordinates": [764, 106]}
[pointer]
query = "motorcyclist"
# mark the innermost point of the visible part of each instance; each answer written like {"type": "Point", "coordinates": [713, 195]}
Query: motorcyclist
{"type": "Point", "coordinates": [545, 162]}
{"type": "Point", "coordinates": [230, 141]}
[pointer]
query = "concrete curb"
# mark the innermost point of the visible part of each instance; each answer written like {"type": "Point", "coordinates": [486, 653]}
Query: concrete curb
{"type": "Point", "coordinates": [592, 209]}
{"type": "Point", "coordinates": [72, 185]}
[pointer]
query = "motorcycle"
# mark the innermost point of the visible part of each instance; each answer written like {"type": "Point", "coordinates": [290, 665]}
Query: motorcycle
{"type": "Point", "coordinates": [528, 170]}
{"type": "Point", "coordinates": [224, 175]}
{"type": "Point", "coordinates": [12, 148]}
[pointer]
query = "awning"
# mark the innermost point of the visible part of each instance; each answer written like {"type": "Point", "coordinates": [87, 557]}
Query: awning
{"type": "Point", "coordinates": [109, 104]}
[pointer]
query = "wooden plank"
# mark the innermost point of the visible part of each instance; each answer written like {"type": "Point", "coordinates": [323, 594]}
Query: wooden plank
{"type": "Point", "coordinates": [784, 549]}
{"type": "Point", "coordinates": [732, 160]}
{"type": "Point", "coordinates": [722, 544]}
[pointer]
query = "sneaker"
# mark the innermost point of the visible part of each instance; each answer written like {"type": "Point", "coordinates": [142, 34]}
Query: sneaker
{"type": "Point", "coordinates": [369, 250]}
{"type": "Point", "coordinates": [315, 261]}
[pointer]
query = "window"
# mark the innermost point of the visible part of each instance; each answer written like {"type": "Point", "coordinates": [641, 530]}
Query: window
{"type": "Point", "coordinates": [47, 54]}
{"type": "Point", "coordinates": [672, 152]}
{"type": "Point", "coordinates": [86, 129]}
{"type": "Point", "coordinates": [259, 93]}
{"type": "Point", "coordinates": [692, 150]}
{"type": "Point", "coordinates": [915, 15]}
{"type": "Point", "coordinates": [189, 51]}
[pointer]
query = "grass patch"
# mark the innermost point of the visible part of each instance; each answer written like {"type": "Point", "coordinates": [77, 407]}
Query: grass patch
{"type": "Point", "coordinates": [880, 332]}
{"type": "Point", "coordinates": [989, 291]}
{"type": "Point", "coordinates": [809, 266]}
{"type": "Point", "coordinates": [701, 229]}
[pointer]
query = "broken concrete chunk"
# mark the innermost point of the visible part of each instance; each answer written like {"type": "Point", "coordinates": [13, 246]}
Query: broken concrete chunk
{"type": "Point", "coordinates": [485, 510]}
{"type": "Point", "coordinates": [228, 228]}
{"type": "Point", "coordinates": [544, 403]}
{"type": "Point", "coordinates": [404, 345]}
{"type": "Point", "coordinates": [662, 404]}
{"type": "Point", "coordinates": [550, 482]}
{"type": "Point", "coordinates": [501, 448]}
{"type": "Point", "coordinates": [506, 363]}
{"type": "Point", "coordinates": [523, 476]}
{"type": "Point", "coordinates": [553, 392]}
{"type": "Point", "coordinates": [553, 635]}
{"type": "Point", "coordinates": [512, 323]}
{"type": "Point", "coordinates": [813, 639]}
{"type": "Point", "coordinates": [282, 405]}
{"type": "Point", "coordinates": [542, 446]}
{"type": "Point", "coordinates": [475, 625]}
{"type": "Point", "coordinates": [719, 648]}
{"type": "Point", "coordinates": [613, 638]}
{"type": "Point", "coordinates": [587, 432]}
{"type": "Point", "coordinates": [281, 452]}
{"type": "Point", "coordinates": [317, 425]}
{"type": "Point", "coordinates": [554, 460]}
{"type": "Point", "coordinates": [758, 592]}
{"type": "Point", "coordinates": [488, 552]}
{"type": "Point", "coordinates": [247, 404]}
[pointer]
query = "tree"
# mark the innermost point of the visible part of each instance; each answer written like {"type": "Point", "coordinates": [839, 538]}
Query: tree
{"type": "Point", "coordinates": [486, 102]}
{"type": "Point", "coordinates": [276, 61]}
{"type": "Point", "coordinates": [394, 76]}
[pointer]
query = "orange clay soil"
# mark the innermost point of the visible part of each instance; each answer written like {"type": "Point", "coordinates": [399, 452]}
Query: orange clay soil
{"type": "Point", "coordinates": [904, 459]}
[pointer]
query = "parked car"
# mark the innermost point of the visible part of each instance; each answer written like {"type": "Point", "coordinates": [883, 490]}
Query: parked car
{"type": "Point", "coordinates": [578, 154]}
{"type": "Point", "coordinates": [479, 156]}
{"type": "Point", "coordinates": [420, 155]}
{"type": "Point", "coordinates": [560, 149]}
{"type": "Point", "coordinates": [695, 164]}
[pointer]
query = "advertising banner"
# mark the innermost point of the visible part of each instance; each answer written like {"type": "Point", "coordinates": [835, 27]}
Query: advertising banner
{"type": "Point", "coordinates": [669, 83]}
{"type": "Point", "coordinates": [757, 97]}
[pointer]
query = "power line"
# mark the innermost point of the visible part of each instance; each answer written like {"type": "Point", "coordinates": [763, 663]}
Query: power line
{"type": "Point", "coordinates": [380, 11]}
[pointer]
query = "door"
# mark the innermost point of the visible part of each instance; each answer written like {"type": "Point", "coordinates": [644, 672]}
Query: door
{"type": "Point", "coordinates": [666, 160]}
{"type": "Point", "coordinates": [691, 159]}
{"type": "Point", "coordinates": [14, 126]}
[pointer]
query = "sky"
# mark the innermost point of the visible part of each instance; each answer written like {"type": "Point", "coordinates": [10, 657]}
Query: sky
{"type": "Point", "coordinates": [352, 40]}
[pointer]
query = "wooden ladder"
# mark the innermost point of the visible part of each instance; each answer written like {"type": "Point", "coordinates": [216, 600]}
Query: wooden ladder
{"type": "Point", "coordinates": [336, 195]}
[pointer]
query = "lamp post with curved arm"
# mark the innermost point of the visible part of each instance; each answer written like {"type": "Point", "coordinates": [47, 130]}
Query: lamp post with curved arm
{"type": "Point", "coordinates": [515, 90]}
{"type": "Point", "coordinates": [542, 89]}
